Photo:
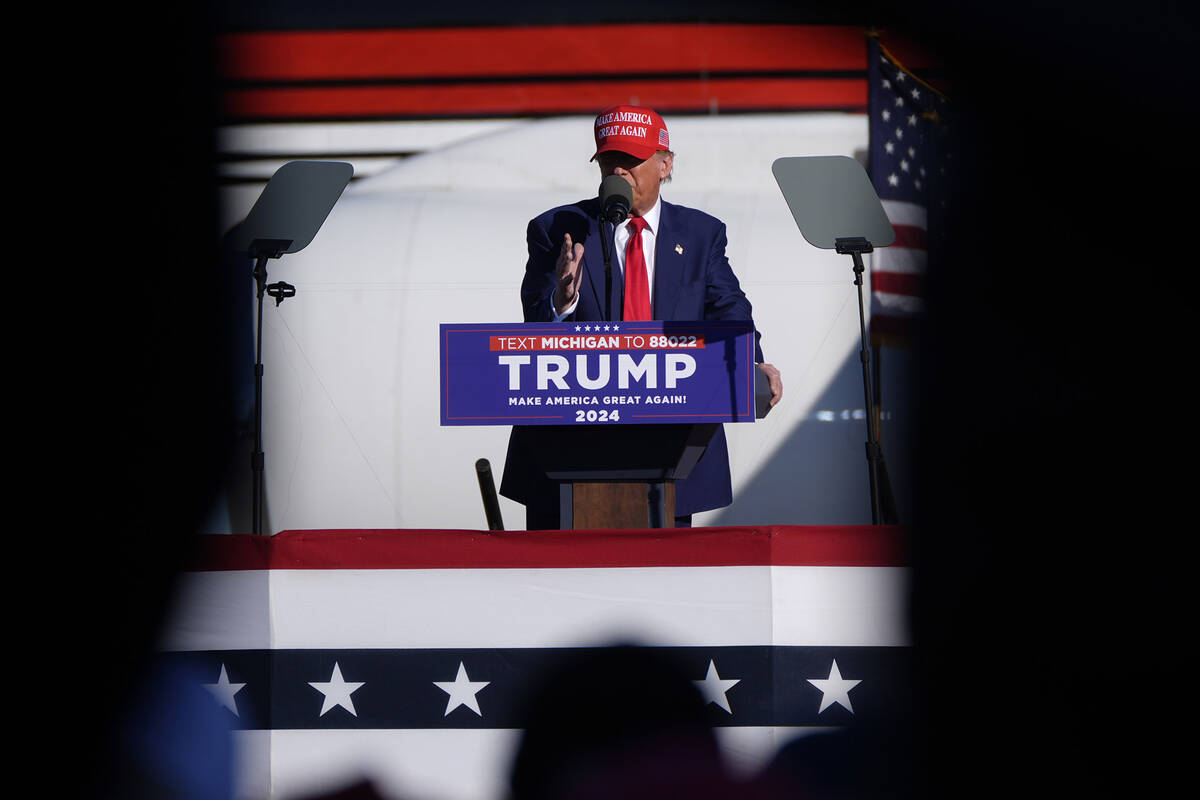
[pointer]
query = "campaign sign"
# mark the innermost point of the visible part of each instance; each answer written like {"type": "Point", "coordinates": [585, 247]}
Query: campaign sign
{"type": "Point", "coordinates": [590, 373]}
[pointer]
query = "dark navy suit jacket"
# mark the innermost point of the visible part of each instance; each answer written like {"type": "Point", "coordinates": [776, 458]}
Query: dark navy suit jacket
{"type": "Point", "coordinates": [695, 284]}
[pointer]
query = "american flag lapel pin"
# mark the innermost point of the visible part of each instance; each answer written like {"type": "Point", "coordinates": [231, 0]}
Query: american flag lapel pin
{"type": "Point", "coordinates": [679, 249]}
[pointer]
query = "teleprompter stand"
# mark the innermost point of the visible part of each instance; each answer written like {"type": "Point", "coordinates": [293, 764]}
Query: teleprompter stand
{"type": "Point", "coordinates": [836, 208]}
{"type": "Point", "coordinates": [284, 219]}
{"type": "Point", "coordinates": [855, 246]}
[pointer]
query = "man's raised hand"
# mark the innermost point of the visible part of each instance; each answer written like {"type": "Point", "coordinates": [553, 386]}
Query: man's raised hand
{"type": "Point", "coordinates": [567, 272]}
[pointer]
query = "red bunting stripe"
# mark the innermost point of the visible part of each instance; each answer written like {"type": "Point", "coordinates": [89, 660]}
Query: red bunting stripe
{"type": "Point", "coordinates": [538, 51]}
{"type": "Point", "coordinates": [540, 70]}
{"type": "Point", "coordinates": [780, 545]}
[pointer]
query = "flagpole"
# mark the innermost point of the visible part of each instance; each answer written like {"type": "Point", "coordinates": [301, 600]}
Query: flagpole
{"type": "Point", "coordinates": [888, 511]}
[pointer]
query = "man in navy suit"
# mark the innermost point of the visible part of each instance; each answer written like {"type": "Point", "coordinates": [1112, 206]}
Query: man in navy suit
{"type": "Point", "coordinates": [668, 263]}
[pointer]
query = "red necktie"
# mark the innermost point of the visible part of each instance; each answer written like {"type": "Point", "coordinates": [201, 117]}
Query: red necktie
{"type": "Point", "coordinates": [637, 285]}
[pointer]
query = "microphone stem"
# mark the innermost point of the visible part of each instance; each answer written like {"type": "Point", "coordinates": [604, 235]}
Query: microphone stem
{"type": "Point", "coordinates": [607, 269]}
{"type": "Point", "coordinates": [616, 198]}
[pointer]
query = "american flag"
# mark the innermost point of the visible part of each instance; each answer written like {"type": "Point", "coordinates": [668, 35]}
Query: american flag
{"type": "Point", "coordinates": [910, 157]}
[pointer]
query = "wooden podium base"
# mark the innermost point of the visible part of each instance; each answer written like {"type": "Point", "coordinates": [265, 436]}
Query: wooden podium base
{"type": "Point", "coordinates": [618, 505]}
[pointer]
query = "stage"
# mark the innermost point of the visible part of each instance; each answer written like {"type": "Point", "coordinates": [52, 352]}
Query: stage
{"type": "Point", "coordinates": [403, 655]}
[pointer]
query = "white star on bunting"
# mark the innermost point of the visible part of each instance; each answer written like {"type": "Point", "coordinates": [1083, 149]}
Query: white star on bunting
{"type": "Point", "coordinates": [714, 688]}
{"type": "Point", "coordinates": [224, 691]}
{"type": "Point", "coordinates": [337, 691]}
{"type": "Point", "coordinates": [462, 691]}
{"type": "Point", "coordinates": [834, 689]}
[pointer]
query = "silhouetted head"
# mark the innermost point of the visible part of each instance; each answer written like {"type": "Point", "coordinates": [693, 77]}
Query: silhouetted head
{"type": "Point", "coordinates": [621, 721]}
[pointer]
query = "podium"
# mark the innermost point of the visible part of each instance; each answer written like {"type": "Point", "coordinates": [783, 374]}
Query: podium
{"type": "Point", "coordinates": [605, 415]}
{"type": "Point", "coordinates": [617, 477]}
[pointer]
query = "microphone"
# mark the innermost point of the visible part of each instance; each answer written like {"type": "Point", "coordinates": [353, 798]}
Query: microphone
{"type": "Point", "coordinates": [616, 198]}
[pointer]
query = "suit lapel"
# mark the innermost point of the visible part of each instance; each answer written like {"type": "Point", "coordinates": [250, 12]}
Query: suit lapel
{"type": "Point", "coordinates": [668, 266]}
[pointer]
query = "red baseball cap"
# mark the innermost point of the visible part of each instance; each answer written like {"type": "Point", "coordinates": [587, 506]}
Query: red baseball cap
{"type": "Point", "coordinates": [638, 131]}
